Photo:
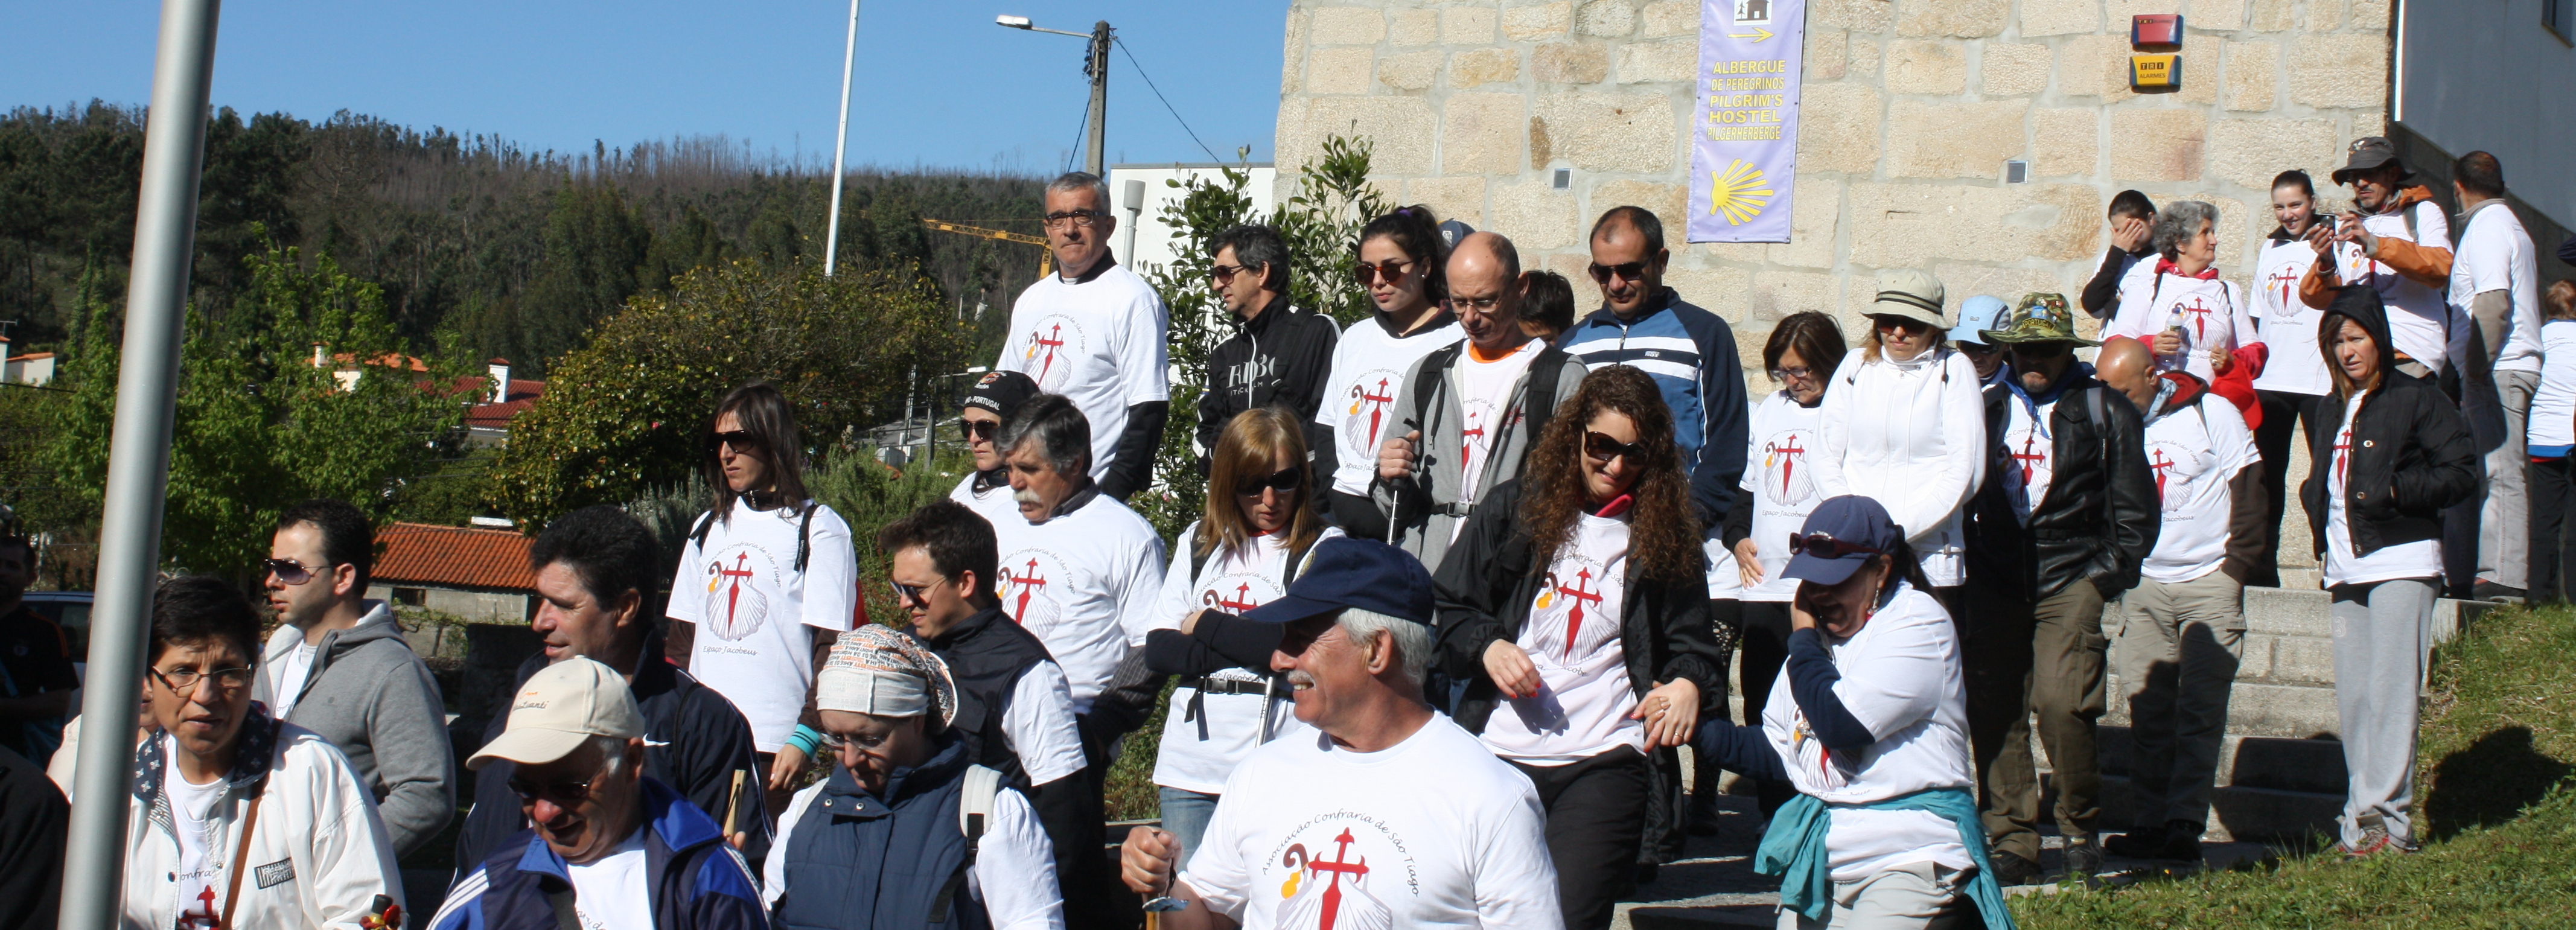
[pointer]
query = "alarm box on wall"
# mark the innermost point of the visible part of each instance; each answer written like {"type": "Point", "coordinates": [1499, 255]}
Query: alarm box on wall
{"type": "Point", "coordinates": [2155, 72]}
{"type": "Point", "coordinates": [2155, 29]}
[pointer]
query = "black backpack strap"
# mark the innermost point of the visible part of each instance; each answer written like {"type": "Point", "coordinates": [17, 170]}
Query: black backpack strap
{"type": "Point", "coordinates": [1435, 366]}
{"type": "Point", "coordinates": [1538, 401]}
{"type": "Point", "coordinates": [805, 536]}
{"type": "Point", "coordinates": [698, 535]}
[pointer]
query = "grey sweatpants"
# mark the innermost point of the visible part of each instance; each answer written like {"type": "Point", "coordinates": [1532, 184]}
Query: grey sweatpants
{"type": "Point", "coordinates": [2179, 646]}
{"type": "Point", "coordinates": [1915, 896]}
{"type": "Point", "coordinates": [2504, 523]}
{"type": "Point", "coordinates": [2382, 639]}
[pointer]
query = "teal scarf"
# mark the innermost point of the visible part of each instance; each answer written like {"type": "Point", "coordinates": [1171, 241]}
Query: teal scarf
{"type": "Point", "coordinates": [1794, 849]}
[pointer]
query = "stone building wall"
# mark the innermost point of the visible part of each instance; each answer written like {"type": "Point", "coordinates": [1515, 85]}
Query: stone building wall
{"type": "Point", "coordinates": [1911, 108]}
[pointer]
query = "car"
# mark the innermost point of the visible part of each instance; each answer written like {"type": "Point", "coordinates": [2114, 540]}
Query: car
{"type": "Point", "coordinates": [69, 610]}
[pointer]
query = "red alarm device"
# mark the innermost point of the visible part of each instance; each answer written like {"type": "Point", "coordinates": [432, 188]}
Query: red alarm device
{"type": "Point", "coordinates": [2155, 29]}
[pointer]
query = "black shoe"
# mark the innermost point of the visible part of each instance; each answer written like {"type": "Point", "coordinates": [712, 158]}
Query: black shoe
{"type": "Point", "coordinates": [2083, 856]}
{"type": "Point", "coordinates": [1703, 820]}
{"type": "Point", "coordinates": [2014, 870]}
{"type": "Point", "coordinates": [2489, 591]}
{"type": "Point", "coordinates": [1647, 871]}
{"type": "Point", "coordinates": [2141, 843]}
{"type": "Point", "coordinates": [2182, 842]}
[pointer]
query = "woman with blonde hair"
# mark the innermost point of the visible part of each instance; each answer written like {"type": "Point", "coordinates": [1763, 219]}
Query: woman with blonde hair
{"type": "Point", "coordinates": [1247, 545]}
{"type": "Point", "coordinates": [1905, 424]}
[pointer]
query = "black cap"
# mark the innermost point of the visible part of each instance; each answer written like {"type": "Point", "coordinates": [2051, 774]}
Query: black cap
{"type": "Point", "coordinates": [1001, 392]}
{"type": "Point", "coordinates": [1856, 521]}
{"type": "Point", "coordinates": [2370, 152]}
{"type": "Point", "coordinates": [1451, 231]}
{"type": "Point", "coordinates": [1343, 573]}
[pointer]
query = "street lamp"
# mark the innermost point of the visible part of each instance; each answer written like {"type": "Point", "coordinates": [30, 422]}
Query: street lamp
{"type": "Point", "coordinates": [841, 144]}
{"type": "Point", "coordinates": [1097, 66]}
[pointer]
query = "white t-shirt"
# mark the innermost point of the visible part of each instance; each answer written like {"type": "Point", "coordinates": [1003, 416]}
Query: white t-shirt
{"type": "Point", "coordinates": [2211, 313]}
{"type": "Point", "coordinates": [2553, 407]}
{"type": "Point", "coordinates": [1780, 487]}
{"type": "Point", "coordinates": [994, 505]}
{"type": "Point", "coordinates": [1430, 832]}
{"type": "Point", "coordinates": [2495, 254]}
{"type": "Point", "coordinates": [2034, 454]}
{"type": "Point", "coordinates": [286, 682]}
{"type": "Point", "coordinates": [1484, 397]}
{"type": "Point", "coordinates": [2419, 559]}
{"type": "Point", "coordinates": [1359, 396]}
{"type": "Point", "coordinates": [1039, 725]}
{"type": "Point", "coordinates": [2419, 317]}
{"type": "Point", "coordinates": [752, 609]}
{"type": "Point", "coordinates": [2194, 452]}
{"type": "Point", "coordinates": [1084, 584]}
{"type": "Point", "coordinates": [1022, 894]}
{"type": "Point", "coordinates": [609, 893]}
{"type": "Point", "coordinates": [1100, 343]}
{"type": "Point", "coordinates": [1572, 637]}
{"type": "Point", "coordinates": [2288, 325]}
{"type": "Point", "coordinates": [198, 885]}
{"type": "Point", "coordinates": [1233, 580]}
{"type": "Point", "coordinates": [1901, 679]}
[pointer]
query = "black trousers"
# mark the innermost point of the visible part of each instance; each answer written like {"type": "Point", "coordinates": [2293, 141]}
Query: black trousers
{"type": "Point", "coordinates": [2551, 497]}
{"type": "Point", "coordinates": [1766, 649]}
{"type": "Point", "coordinates": [2272, 440]}
{"type": "Point", "coordinates": [1596, 816]}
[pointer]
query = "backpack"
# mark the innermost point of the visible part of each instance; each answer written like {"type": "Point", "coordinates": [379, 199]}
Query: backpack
{"type": "Point", "coordinates": [974, 808]}
{"type": "Point", "coordinates": [804, 532]}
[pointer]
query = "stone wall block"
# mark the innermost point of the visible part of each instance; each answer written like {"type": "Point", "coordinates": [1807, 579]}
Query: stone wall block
{"type": "Point", "coordinates": [1667, 18]}
{"type": "Point", "coordinates": [2339, 71]}
{"type": "Point", "coordinates": [2013, 69]}
{"type": "Point", "coordinates": [1339, 70]}
{"type": "Point", "coordinates": [1668, 202]}
{"type": "Point", "coordinates": [2216, 15]}
{"type": "Point", "coordinates": [1535, 215]}
{"type": "Point", "coordinates": [1776, 294]}
{"type": "Point", "coordinates": [2248, 152]}
{"type": "Point", "coordinates": [2201, 71]}
{"type": "Point", "coordinates": [1571, 63]}
{"type": "Point", "coordinates": [1828, 54]}
{"type": "Point", "coordinates": [1451, 197]}
{"type": "Point", "coordinates": [1604, 131]}
{"type": "Point", "coordinates": [1348, 25]}
{"type": "Point", "coordinates": [1812, 221]}
{"type": "Point", "coordinates": [1719, 289]}
{"type": "Point", "coordinates": [1915, 225]}
{"type": "Point", "coordinates": [1393, 123]}
{"type": "Point", "coordinates": [2157, 144]}
{"type": "Point", "coordinates": [2059, 17]}
{"type": "Point", "coordinates": [1292, 51]}
{"type": "Point", "coordinates": [2065, 142]}
{"type": "Point", "coordinates": [1838, 127]}
{"type": "Point", "coordinates": [1409, 71]}
{"type": "Point", "coordinates": [2096, 66]}
{"type": "Point", "coordinates": [1953, 140]}
{"type": "Point", "coordinates": [2253, 76]}
{"type": "Point", "coordinates": [1482, 66]}
{"type": "Point", "coordinates": [1921, 66]}
{"type": "Point", "coordinates": [2371, 15]}
{"type": "Point", "coordinates": [1864, 53]}
{"type": "Point", "coordinates": [1467, 25]}
{"type": "Point", "coordinates": [1641, 62]}
{"type": "Point", "coordinates": [1538, 21]}
{"type": "Point", "coordinates": [1855, 15]}
{"type": "Point", "coordinates": [2274, 16]}
{"type": "Point", "coordinates": [1961, 19]}
{"type": "Point", "coordinates": [2009, 283]}
{"type": "Point", "coordinates": [1414, 27]}
{"type": "Point", "coordinates": [2324, 15]}
{"type": "Point", "coordinates": [1608, 19]}
{"type": "Point", "coordinates": [1481, 134]}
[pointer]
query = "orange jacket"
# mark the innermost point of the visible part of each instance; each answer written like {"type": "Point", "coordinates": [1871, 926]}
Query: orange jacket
{"type": "Point", "coordinates": [2429, 265]}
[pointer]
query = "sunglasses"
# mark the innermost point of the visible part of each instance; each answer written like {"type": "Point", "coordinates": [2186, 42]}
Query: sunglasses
{"type": "Point", "coordinates": [1224, 274]}
{"type": "Point", "coordinates": [742, 441]}
{"type": "Point", "coordinates": [1391, 272]}
{"type": "Point", "coordinates": [1792, 373]}
{"type": "Point", "coordinates": [2041, 351]}
{"type": "Point", "coordinates": [911, 595]}
{"type": "Point", "coordinates": [565, 793]}
{"type": "Point", "coordinates": [1908, 324]}
{"type": "Point", "coordinates": [1825, 546]}
{"type": "Point", "coordinates": [291, 571]}
{"type": "Point", "coordinates": [1625, 271]}
{"type": "Point", "coordinates": [979, 430]}
{"type": "Point", "coordinates": [1284, 481]}
{"type": "Point", "coordinates": [1601, 448]}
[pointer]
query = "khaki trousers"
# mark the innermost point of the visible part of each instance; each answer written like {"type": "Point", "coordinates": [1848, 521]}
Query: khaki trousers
{"type": "Point", "coordinates": [2179, 647]}
{"type": "Point", "coordinates": [2045, 659]}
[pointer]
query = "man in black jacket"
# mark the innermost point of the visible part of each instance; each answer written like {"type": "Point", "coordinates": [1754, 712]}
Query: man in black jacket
{"type": "Point", "coordinates": [2066, 517]}
{"type": "Point", "coordinates": [1279, 356]}
{"type": "Point", "coordinates": [593, 568]}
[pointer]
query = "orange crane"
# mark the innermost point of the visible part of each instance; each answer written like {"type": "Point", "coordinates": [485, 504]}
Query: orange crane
{"type": "Point", "coordinates": [1046, 253]}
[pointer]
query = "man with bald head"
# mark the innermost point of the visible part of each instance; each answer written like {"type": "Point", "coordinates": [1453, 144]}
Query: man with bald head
{"type": "Point", "coordinates": [2182, 628]}
{"type": "Point", "coordinates": [1471, 411]}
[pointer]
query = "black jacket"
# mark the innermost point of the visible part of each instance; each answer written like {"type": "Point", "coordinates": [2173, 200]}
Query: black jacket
{"type": "Point", "coordinates": [1994, 534]}
{"type": "Point", "coordinates": [694, 740]}
{"type": "Point", "coordinates": [2100, 516]}
{"type": "Point", "coordinates": [1483, 592]}
{"type": "Point", "coordinates": [34, 822]}
{"type": "Point", "coordinates": [1280, 358]}
{"type": "Point", "coordinates": [2411, 453]}
{"type": "Point", "coordinates": [2104, 290]}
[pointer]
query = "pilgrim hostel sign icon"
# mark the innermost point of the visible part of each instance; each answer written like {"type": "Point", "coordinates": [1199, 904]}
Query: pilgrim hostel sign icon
{"type": "Point", "coordinates": [1744, 138]}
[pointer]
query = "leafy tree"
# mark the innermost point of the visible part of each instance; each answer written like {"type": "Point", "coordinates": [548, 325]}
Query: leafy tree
{"type": "Point", "coordinates": [625, 412]}
{"type": "Point", "coordinates": [259, 425]}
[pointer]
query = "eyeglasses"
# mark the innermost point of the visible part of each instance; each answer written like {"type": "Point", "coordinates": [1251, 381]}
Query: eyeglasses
{"type": "Point", "coordinates": [1224, 274]}
{"type": "Point", "coordinates": [742, 441]}
{"type": "Point", "coordinates": [836, 742]}
{"type": "Point", "coordinates": [979, 430]}
{"type": "Point", "coordinates": [1601, 448]}
{"type": "Point", "coordinates": [1625, 271]}
{"type": "Point", "coordinates": [913, 595]}
{"type": "Point", "coordinates": [292, 571]}
{"type": "Point", "coordinates": [184, 680]}
{"type": "Point", "coordinates": [1478, 304]}
{"type": "Point", "coordinates": [1825, 546]}
{"type": "Point", "coordinates": [1083, 218]}
{"type": "Point", "coordinates": [1792, 373]}
{"type": "Point", "coordinates": [1284, 481]}
{"type": "Point", "coordinates": [1393, 272]}
{"type": "Point", "coordinates": [565, 793]}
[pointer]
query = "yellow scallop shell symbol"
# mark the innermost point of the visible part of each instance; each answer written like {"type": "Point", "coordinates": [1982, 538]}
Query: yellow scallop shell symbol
{"type": "Point", "coordinates": [1739, 193]}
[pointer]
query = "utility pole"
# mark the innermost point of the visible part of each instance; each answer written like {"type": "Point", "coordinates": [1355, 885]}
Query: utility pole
{"type": "Point", "coordinates": [849, 53]}
{"type": "Point", "coordinates": [1098, 67]}
{"type": "Point", "coordinates": [138, 460]}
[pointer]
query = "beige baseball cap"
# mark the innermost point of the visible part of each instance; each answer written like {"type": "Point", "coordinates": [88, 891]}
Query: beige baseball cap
{"type": "Point", "coordinates": [561, 707]}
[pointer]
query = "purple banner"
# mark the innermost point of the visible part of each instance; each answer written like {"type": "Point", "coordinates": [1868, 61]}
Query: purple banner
{"type": "Point", "coordinates": [1744, 141]}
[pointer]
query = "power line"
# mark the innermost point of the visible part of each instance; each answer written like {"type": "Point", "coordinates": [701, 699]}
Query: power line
{"type": "Point", "coordinates": [1167, 104]}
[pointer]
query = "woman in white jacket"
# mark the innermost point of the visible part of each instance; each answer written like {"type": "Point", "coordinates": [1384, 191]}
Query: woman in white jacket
{"type": "Point", "coordinates": [239, 819]}
{"type": "Point", "coordinates": [1903, 423]}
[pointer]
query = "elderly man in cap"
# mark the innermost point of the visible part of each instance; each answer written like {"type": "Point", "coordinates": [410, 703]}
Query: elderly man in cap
{"type": "Point", "coordinates": [1392, 817]}
{"type": "Point", "coordinates": [2074, 515]}
{"type": "Point", "coordinates": [907, 831]}
{"type": "Point", "coordinates": [611, 846]}
{"type": "Point", "coordinates": [980, 415]}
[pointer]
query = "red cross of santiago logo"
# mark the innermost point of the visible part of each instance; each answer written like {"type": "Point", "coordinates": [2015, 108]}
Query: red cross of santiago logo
{"type": "Point", "coordinates": [1374, 402]}
{"type": "Point", "coordinates": [734, 607]}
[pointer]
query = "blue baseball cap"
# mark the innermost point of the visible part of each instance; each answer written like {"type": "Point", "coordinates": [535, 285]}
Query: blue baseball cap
{"type": "Point", "coordinates": [1977, 314]}
{"type": "Point", "coordinates": [1858, 524]}
{"type": "Point", "coordinates": [1343, 573]}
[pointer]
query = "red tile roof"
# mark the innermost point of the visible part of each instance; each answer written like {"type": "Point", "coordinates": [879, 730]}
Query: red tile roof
{"type": "Point", "coordinates": [453, 556]}
{"type": "Point", "coordinates": [497, 416]}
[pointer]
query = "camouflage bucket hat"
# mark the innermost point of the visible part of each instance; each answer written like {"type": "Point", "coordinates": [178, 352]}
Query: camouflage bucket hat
{"type": "Point", "coordinates": [2038, 317]}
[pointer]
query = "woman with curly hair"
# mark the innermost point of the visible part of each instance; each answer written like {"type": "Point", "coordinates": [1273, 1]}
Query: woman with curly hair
{"type": "Point", "coordinates": [1574, 609]}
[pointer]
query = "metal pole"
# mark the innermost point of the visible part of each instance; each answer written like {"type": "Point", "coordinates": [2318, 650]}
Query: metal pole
{"type": "Point", "coordinates": [1098, 163]}
{"type": "Point", "coordinates": [841, 146]}
{"type": "Point", "coordinates": [138, 460]}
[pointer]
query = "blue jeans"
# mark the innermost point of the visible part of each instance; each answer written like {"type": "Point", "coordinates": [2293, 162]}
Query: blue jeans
{"type": "Point", "coordinates": [1185, 815]}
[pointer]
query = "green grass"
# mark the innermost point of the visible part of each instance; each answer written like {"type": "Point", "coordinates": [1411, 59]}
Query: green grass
{"type": "Point", "coordinates": [2495, 805]}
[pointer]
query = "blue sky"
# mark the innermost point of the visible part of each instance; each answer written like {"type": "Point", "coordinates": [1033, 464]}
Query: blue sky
{"type": "Point", "coordinates": [937, 83]}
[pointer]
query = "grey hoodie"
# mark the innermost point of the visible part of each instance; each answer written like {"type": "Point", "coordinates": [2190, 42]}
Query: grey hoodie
{"type": "Point", "coordinates": [1425, 508]}
{"type": "Point", "coordinates": [375, 700]}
